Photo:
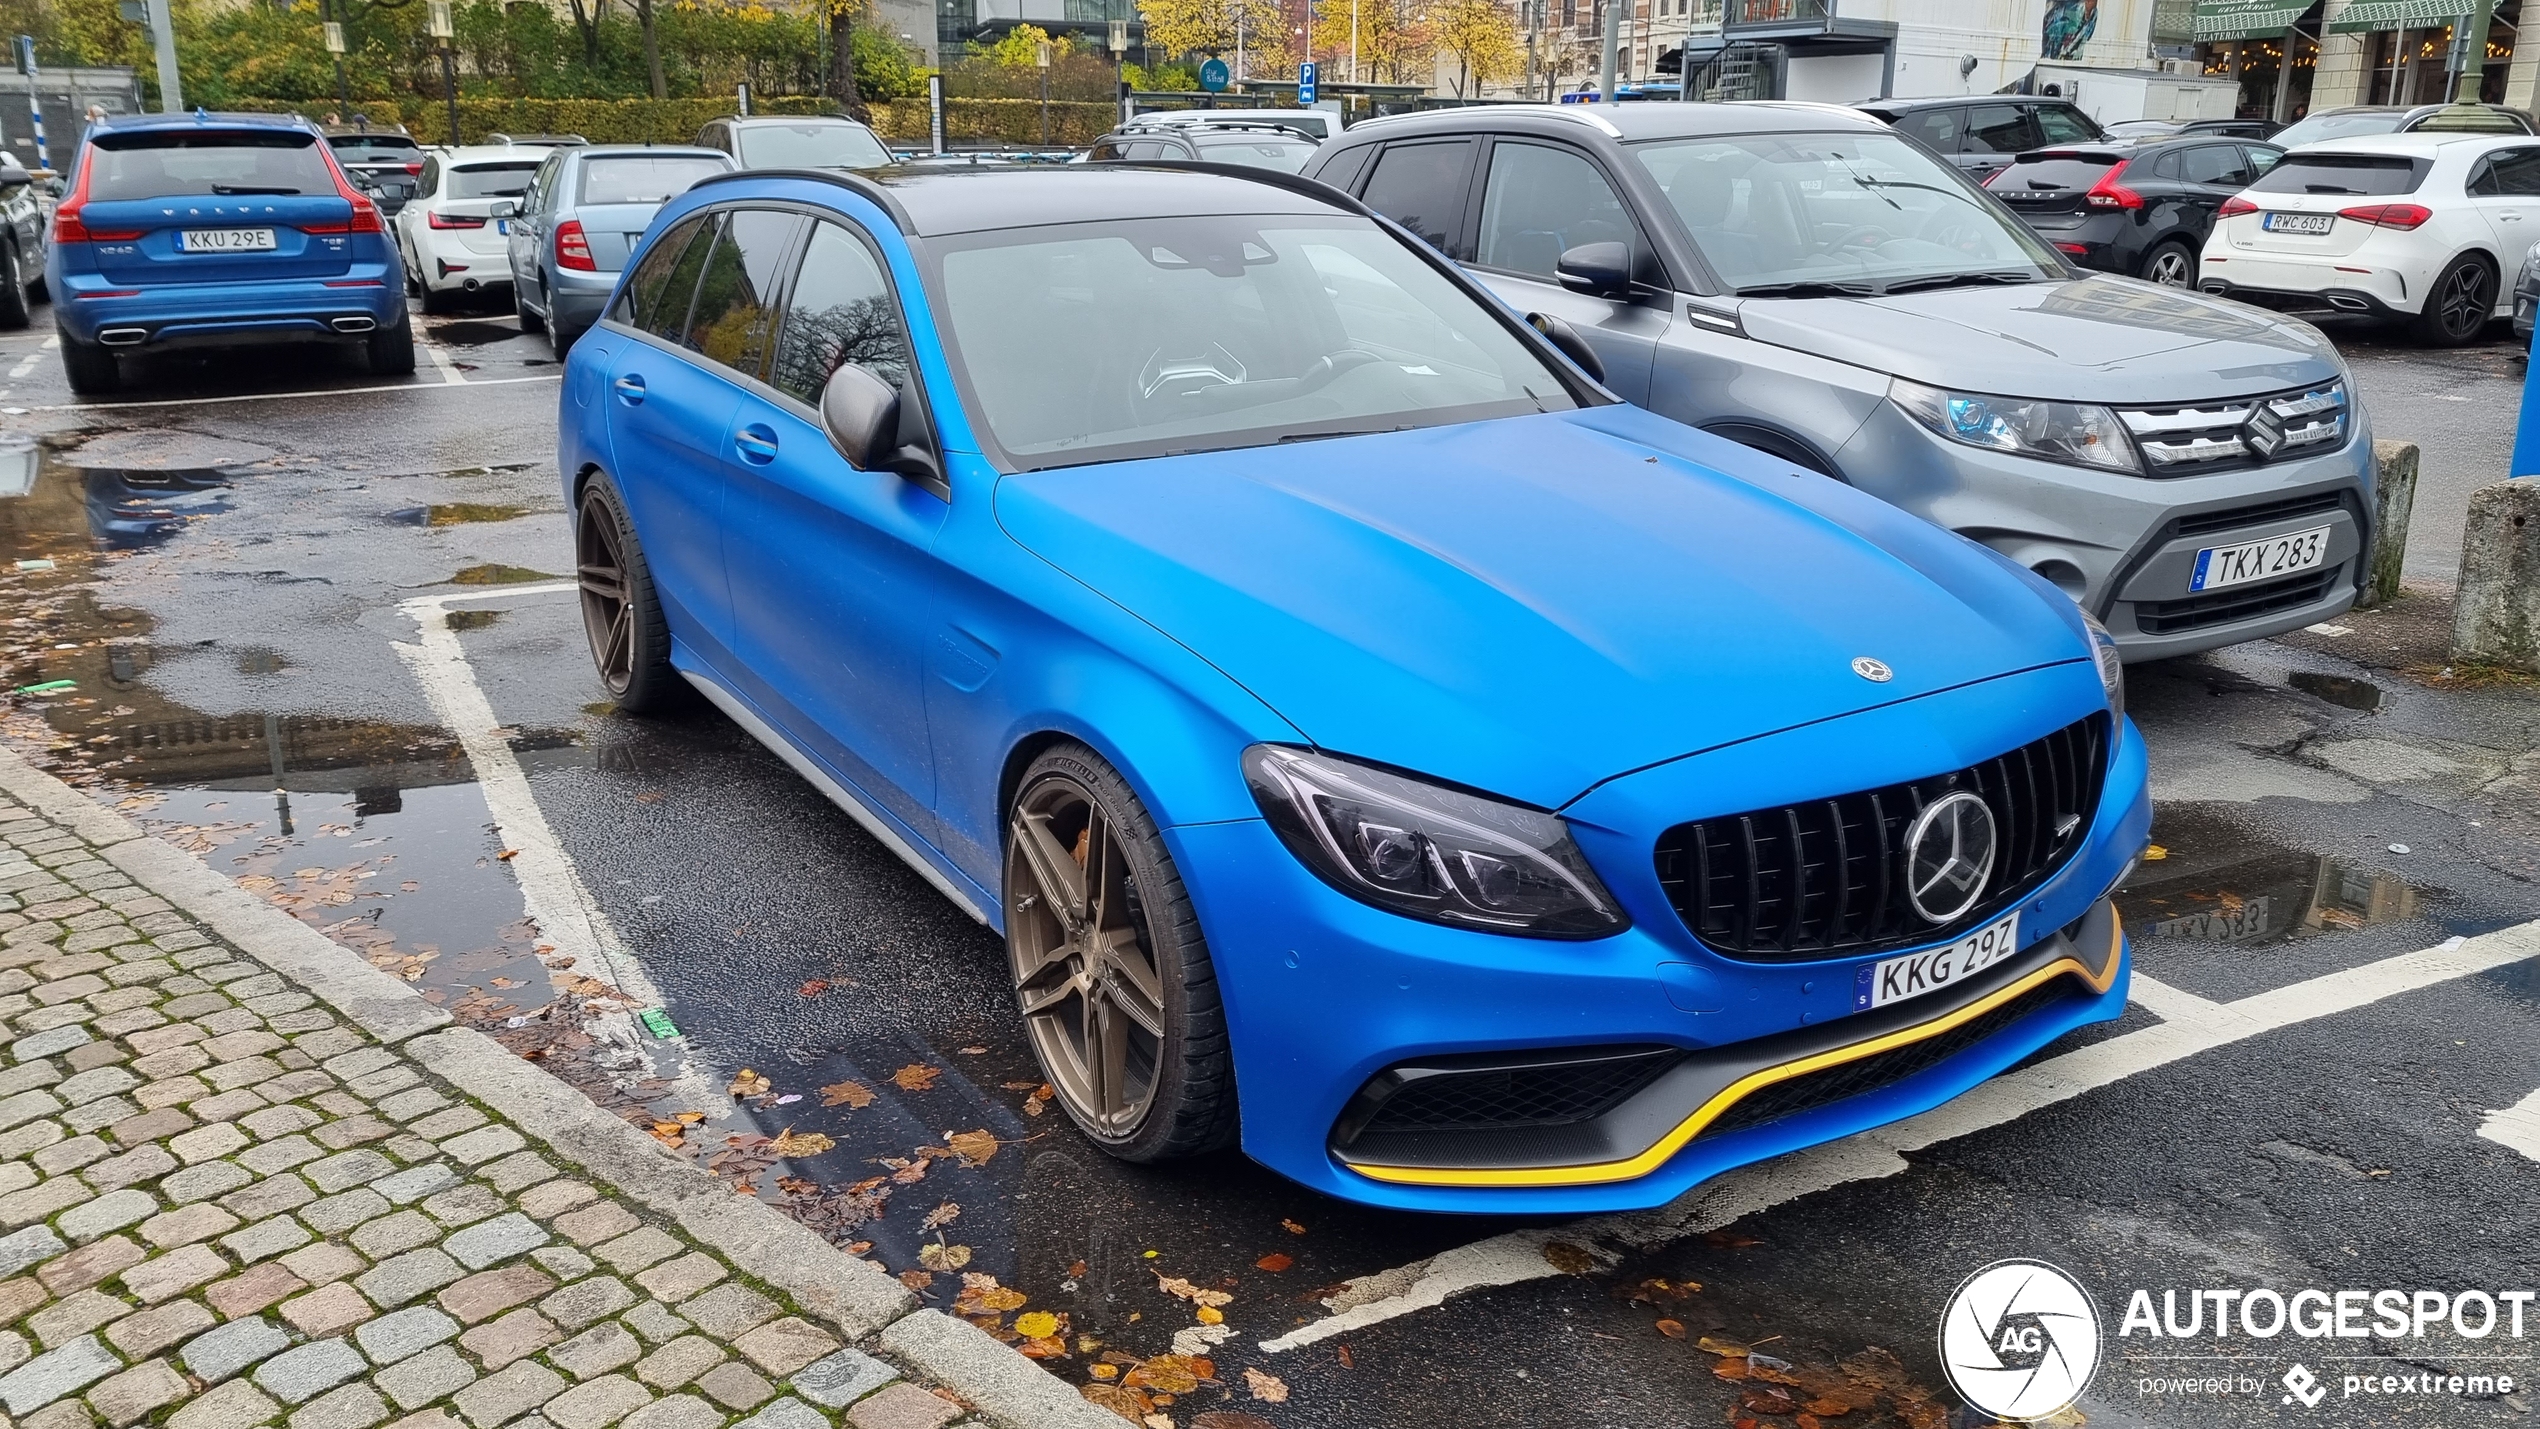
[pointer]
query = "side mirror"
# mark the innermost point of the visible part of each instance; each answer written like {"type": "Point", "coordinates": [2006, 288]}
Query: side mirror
{"type": "Point", "coordinates": [11, 175]}
{"type": "Point", "coordinates": [1566, 338]}
{"type": "Point", "coordinates": [1600, 270]}
{"type": "Point", "coordinates": [861, 413]}
{"type": "Point", "coordinates": [503, 208]}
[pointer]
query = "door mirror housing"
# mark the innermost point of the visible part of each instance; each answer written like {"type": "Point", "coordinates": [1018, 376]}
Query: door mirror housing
{"type": "Point", "coordinates": [1574, 347]}
{"type": "Point", "coordinates": [12, 175]}
{"type": "Point", "coordinates": [1600, 270]}
{"type": "Point", "coordinates": [861, 413]}
{"type": "Point", "coordinates": [503, 208]}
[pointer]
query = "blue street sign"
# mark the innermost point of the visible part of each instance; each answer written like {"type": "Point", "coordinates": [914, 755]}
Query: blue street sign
{"type": "Point", "coordinates": [1305, 75]}
{"type": "Point", "coordinates": [1212, 76]}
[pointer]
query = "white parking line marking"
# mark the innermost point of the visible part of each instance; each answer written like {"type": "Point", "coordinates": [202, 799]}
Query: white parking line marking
{"type": "Point", "coordinates": [2168, 1003]}
{"type": "Point", "coordinates": [1508, 1259]}
{"type": "Point", "coordinates": [279, 396]}
{"type": "Point", "coordinates": [52, 342]}
{"type": "Point", "coordinates": [549, 885]}
{"type": "Point", "coordinates": [26, 364]}
{"type": "Point", "coordinates": [2517, 1126]}
{"type": "Point", "coordinates": [441, 359]}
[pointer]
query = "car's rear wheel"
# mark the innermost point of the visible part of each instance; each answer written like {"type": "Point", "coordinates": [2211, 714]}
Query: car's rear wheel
{"type": "Point", "coordinates": [14, 309]}
{"type": "Point", "coordinates": [1111, 974]}
{"type": "Point", "coordinates": [436, 302]}
{"type": "Point", "coordinates": [89, 366]}
{"type": "Point", "coordinates": [2172, 265]}
{"type": "Point", "coordinates": [621, 614]}
{"type": "Point", "coordinates": [2459, 304]}
{"type": "Point", "coordinates": [391, 350]}
{"type": "Point", "coordinates": [529, 321]}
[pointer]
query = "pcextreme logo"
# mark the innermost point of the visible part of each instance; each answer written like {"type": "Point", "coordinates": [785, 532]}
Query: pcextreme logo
{"type": "Point", "coordinates": [2020, 1339]}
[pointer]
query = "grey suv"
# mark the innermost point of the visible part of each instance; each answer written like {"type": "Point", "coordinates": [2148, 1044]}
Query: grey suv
{"type": "Point", "coordinates": [1801, 279]}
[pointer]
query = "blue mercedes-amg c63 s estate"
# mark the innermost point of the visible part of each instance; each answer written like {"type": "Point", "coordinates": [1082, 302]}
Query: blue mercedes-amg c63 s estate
{"type": "Point", "coordinates": [1374, 741]}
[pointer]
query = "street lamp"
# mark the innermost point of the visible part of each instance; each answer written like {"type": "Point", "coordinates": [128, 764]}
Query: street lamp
{"type": "Point", "coordinates": [437, 24]}
{"type": "Point", "coordinates": [333, 31]}
{"type": "Point", "coordinates": [1041, 60]}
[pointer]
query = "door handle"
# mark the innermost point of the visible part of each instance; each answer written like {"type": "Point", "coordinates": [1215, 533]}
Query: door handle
{"type": "Point", "coordinates": [756, 444]}
{"type": "Point", "coordinates": [630, 390]}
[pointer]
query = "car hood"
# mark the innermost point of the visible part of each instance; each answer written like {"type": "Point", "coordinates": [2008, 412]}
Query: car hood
{"type": "Point", "coordinates": [2096, 339]}
{"type": "Point", "coordinates": [1533, 605]}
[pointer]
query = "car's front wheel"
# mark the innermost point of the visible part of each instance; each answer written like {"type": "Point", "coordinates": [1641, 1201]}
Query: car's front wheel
{"type": "Point", "coordinates": [621, 614]}
{"type": "Point", "coordinates": [2172, 265]}
{"type": "Point", "coordinates": [15, 311]}
{"type": "Point", "coordinates": [1111, 974]}
{"type": "Point", "coordinates": [2459, 304]}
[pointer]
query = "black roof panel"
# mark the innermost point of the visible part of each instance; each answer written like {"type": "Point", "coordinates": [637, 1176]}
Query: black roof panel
{"type": "Point", "coordinates": [965, 200]}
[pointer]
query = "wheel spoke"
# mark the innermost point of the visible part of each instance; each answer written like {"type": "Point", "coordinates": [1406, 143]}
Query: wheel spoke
{"type": "Point", "coordinates": [601, 581]}
{"type": "Point", "coordinates": [1121, 990]}
{"type": "Point", "coordinates": [1111, 1058]}
{"type": "Point", "coordinates": [615, 657]}
{"type": "Point", "coordinates": [1062, 883]}
{"type": "Point", "coordinates": [1035, 1004]}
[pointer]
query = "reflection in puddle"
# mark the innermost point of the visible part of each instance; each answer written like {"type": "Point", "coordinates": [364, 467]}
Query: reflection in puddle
{"type": "Point", "coordinates": [2217, 885]}
{"type": "Point", "coordinates": [2344, 690]}
{"type": "Point", "coordinates": [495, 574]}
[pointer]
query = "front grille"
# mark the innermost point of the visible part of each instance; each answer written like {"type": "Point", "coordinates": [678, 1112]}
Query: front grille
{"type": "Point", "coordinates": [2194, 439]}
{"type": "Point", "coordinates": [2207, 522]}
{"type": "Point", "coordinates": [2222, 607]}
{"type": "Point", "coordinates": [1585, 1086]}
{"type": "Point", "coordinates": [1825, 879]}
{"type": "Point", "coordinates": [1880, 1069]}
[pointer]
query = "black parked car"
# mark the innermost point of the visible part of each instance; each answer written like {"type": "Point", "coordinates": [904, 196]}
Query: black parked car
{"type": "Point", "coordinates": [384, 160]}
{"type": "Point", "coordinates": [2138, 209]}
{"type": "Point", "coordinates": [22, 238]}
{"type": "Point", "coordinates": [1981, 133]}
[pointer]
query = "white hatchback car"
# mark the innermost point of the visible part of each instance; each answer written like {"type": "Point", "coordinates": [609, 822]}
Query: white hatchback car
{"type": "Point", "coordinates": [453, 243]}
{"type": "Point", "coordinates": [2418, 228]}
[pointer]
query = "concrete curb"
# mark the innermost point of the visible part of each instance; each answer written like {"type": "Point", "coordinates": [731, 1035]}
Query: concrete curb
{"type": "Point", "coordinates": [857, 1296]}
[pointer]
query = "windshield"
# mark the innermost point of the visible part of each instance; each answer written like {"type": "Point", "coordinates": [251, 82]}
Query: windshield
{"type": "Point", "coordinates": [2373, 174]}
{"type": "Point", "coordinates": [644, 178]}
{"type": "Point", "coordinates": [1151, 337]}
{"type": "Point", "coordinates": [2340, 126]}
{"type": "Point", "coordinates": [1806, 214]}
{"type": "Point", "coordinates": [1257, 152]}
{"type": "Point", "coordinates": [490, 180]}
{"type": "Point", "coordinates": [168, 163]}
{"type": "Point", "coordinates": [812, 145]}
{"type": "Point", "coordinates": [375, 149]}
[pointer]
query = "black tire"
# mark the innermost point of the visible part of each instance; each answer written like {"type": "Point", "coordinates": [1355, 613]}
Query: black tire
{"type": "Point", "coordinates": [391, 350]}
{"type": "Point", "coordinates": [15, 311]}
{"type": "Point", "coordinates": [1184, 1085]}
{"type": "Point", "coordinates": [2459, 305]}
{"type": "Point", "coordinates": [561, 341]}
{"type": "Point", "coordinates": [618, 602]}
{"type": "Point", "coordinates": [436, 302]}
{"type": "Point", "coordinates": [529, 321]}
{"type": "Point", "coordinates": [2172, 265]}
{"type": "Point", "coordinates": [89, 366]}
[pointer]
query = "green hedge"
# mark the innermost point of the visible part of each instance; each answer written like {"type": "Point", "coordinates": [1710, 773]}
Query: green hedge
{"type": "Point", "coordinates": [676, 121]}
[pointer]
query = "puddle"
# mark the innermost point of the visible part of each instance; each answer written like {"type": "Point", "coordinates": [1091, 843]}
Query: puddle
{"type": "Point", "coordinates": [2345, 690]}
{"type": "Point", "coordinates": [495, 574]}
{"type": "Point", "coordinates": [472, 619]}
{"type": "Point", "coordinates": [459, 513]}
{"type": "Point", "coordinates": [473, 334]}
{"type": "Point", "coordinates": [2216, 884]}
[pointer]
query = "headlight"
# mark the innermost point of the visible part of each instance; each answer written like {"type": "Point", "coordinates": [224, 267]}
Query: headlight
{"type": "Point", "coordinates": [2103, 648]}
{"type": "Point", "coordinates": [2070, 432]}
{"type": "Point", "coordinates": [1428, 852]}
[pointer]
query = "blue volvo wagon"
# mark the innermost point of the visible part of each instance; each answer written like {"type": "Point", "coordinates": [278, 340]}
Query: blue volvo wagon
{"type": "Point", "coordinates": [1374, 741]}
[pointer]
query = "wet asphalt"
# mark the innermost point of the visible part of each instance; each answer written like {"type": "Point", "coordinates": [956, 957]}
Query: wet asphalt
{"type": "Point", "coordinates": [223, 596]}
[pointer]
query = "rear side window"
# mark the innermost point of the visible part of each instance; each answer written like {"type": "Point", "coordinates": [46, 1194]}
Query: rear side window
{"type": "Point", "coordinates": [1345, 167]}
{"type": "Point", "coordinates": [2369, 175]}
{"type": "Point", "coordinates": [2053, 173]}
{"type": "Point", "coordinates": [490, 180]}
{"type": "Point", "coordinates": [643, 178]}
{"type": "Point", "coordinates": [2001, 129]}
{"type": "Point", "coordinates": [656, 298]}
{"type": "Point", "coordinates": [841, 312]}
{"type": "Point", "coordinates": [2509, 173]}
{"type": "Point", "coordinates": [178, 162]}
{"type": "Point", "coordinates": [375, 149]}
{"type": "Point", "coordinates": [2218, 164]}
{"type": "Point", "coordinates": [735, 286]}
{"type": "Point", "coordinates": [1421, 187]}
{"type": "Point", "coordinates": [2064, 126]}
{"type": "Point", "coordinates": [1941, 129]}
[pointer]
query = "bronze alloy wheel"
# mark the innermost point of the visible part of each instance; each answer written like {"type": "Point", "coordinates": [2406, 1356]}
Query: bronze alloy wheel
{"type": "Point", "coordinates": [1084, 960]}
{"type": "Point", "coordinates": [608, 616]}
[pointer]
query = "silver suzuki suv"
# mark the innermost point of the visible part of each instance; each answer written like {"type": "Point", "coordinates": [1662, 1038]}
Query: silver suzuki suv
{"type": "Point", "coordinates": [1808, 282]}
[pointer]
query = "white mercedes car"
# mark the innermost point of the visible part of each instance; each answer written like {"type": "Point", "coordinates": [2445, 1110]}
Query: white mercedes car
{"type": "Point", "coordinates": [2421, 228]}
{"type": "Point", "coordinates": [453, 242]}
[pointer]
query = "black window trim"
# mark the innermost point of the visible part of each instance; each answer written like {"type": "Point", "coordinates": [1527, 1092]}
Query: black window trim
{"type": "Point", "coordinates": [1459, 245]}
{"type": "Point", "coordinates": [1644, 293]}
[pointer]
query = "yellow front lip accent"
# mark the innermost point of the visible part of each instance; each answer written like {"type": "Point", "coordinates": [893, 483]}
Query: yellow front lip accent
{"type": "Point", "coordinates": [1674, 1141]}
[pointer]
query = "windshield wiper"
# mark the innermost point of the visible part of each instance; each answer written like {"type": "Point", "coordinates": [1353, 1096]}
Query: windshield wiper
{"type": "Point", "coordinates": [250, 189]}
{"type": "Point", "coordinates": [1952, 280]}
{"type": "Point", "coordinates": [1810, 288]}
{"type": "Point", "coordinates": [1340, 432]}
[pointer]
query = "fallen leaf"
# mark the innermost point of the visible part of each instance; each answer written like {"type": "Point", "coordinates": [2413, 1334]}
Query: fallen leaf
{"type": "Point", "coordinates": [1230, 1419]}
{"type": "Point", "coordinates": [790, 1142]}
{"type": "Point", "coordinates": [1348, 1360]}
{"type": "Point", "coordinates": [1211, 1315]}
{"type": "Point", "coordinates": [815, 987]}
{"type": "Point", "coordinates": [1710, 1346]}
{"type": "Point", "coordinates": [935, 1255]}
{"type": "Point", "coordinates": [1043, 1347]}
{"type": "Point", "coordinates": [1158, 1421]}
{"type": "Point", "coordinates": [1105, 1371]}
{"type": "Point", "coordinates": [1268, 1388]}
{"type": "Point", "coordinates": [688, 1118]}
{"type": "Point", "coordinates": [849, 1094]}
{"type": "Point", "coordinates": [974, 1147]}
{"type": "Point", "coordinates": [1672, 1329]}
{"type": "Point", "coordinates": [1036, 1324]}
{"type": "Point", "coordinates": [917, 1279]}
{"type": "Point", "coordinates": [1729, 1240]}
{"type": "Point", "coordinates": [916, 1077]}
{"type": "Point", "coordinates": [1274, 1262]}
{"type": "Point", "coordinates": [1830, 1406]}
{"type": "Point", "coordinates": [974, 1051]}
{"type": "Point", "coordinates": [508, 854]}
{"type": "Point", "coordinates": [1122, 1402]}
{"type": "Point", "coordinates": [1169, 1374]}
{"type": "Point", "coordinates": [1730, 1369]}
{"type": "Point", "coordinates": [749, 1084]}
{"type": "Point", "coordinates": [942, 1215]}
{"type": "Point", "coordinates": [907, 1173]}
{"type": "Point", "coordinates": [1293, 1227]}
{"type": "Point", "coordinates": [1568, 1258]}
{"type": "Point", "coordinates": [1182, 1289]}
{"type": "Point", "coordinates": [2154, 853]}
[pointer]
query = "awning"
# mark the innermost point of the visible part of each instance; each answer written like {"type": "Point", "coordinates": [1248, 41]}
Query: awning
{"type": "Point", "coordinates": [2400, 14]}
{"type": "Point", "coordinates": [2242, 19]}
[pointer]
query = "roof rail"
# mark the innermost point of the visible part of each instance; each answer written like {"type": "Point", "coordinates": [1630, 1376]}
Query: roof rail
{"type": "Point", "coordinates": [854, 183]}
{"type": "Point", "coordinates": [1293, 183]}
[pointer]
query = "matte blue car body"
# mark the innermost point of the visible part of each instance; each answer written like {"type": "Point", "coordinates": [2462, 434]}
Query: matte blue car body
{"type": "Point", "coordinates": [1611, 615]}
{"type": "Point", "coordinates": [221, 309]}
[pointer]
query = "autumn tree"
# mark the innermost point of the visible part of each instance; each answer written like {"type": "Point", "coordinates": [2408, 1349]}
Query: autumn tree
{"type": "Point", "coordinates": [1181, 27]}
{"type": "Point", "coordinates": [1021, 47]}
{"type": "Point", "coordinates": [1481, 35]}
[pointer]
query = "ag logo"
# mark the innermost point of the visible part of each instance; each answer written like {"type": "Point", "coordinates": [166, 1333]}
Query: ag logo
{"type": "Point", "coordinates": [2020, 1340]}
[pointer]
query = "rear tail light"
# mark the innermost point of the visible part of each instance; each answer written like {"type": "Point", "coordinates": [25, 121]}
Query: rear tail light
{"type": "Point", "coordinates": [573, 247]}
{"type": "Point", "coordinates": [438, 219]}
{"type": "Point", "coordinates": [365, 215]}
{"type": "Point", "coordinates": [2108, 193]}
{"type": "Point", "coordinates": [2237, 205]}
{"type": "Point", "coordinates": [2073, 247]}
{"type": "Point", "coordinates": [2388, 215]}
{"type": "Point", "coordinates": [414, 168]}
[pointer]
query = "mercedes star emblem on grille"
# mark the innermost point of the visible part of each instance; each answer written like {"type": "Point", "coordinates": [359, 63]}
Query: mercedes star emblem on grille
{"type": "Point", "coordinates": [1872, 669]}
{"type": "Point", "coordinates": [1949, 852]}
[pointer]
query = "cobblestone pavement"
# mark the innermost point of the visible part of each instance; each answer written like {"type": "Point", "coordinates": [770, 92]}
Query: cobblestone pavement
{"type": "Point", "coordinates": [225, 1205]}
